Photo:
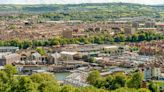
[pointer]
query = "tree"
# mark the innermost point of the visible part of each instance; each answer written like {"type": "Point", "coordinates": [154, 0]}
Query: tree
{"type": "Point", "coordinates": [128, 38]}
{"type": "Point", "coordinates": [7, 81]}
{"type": "Point", "coordinates": [110, 39]}
{"type": "Point", "coordinates": [26, 85]}
{"type": "Point", "coordinates": [115, 81]}
{"type": "Point", "coordinates": [86, 41]}
{"type": "Point", "coordinates": [136, 80]}
{"type": "Point", "coordinates": [98, 40]}
{"type": "Point", "coordinates": [1, 43]}
{"type": "Point", "coordinates": [92, 60]}
{"type": "Point", "coordinates": [46, 82]}
{"type": "Point", "coordinates": [91, 89]}
{"type": "Point", "coordinates": [16, 42]}
{"type": "Point", "coordinates": [118, 81]}
{"type": "Point", "coordinates": [42, 77]}
{"type": "Point", "coordinates": [55, 42]}
{"type": "Point", "coordinates": [49, 86]}
{"type": "Point", "coordinates": [41, 51]}
{"type": "Point", "coordinates": [141, 37]}
{"type": "Point", "coordinates": [27, 44]}
{"type": "Point", "coordinates": [153, 87]}
{"type": "Point", "coordinates": [93, 77]}
{"type": "Point", "coordinates": [10, 70]}
{"type": "Point", "coordinates": [108, 82]}
{"type": "Point", "coordinates": [120, 38]}
{"type": "Point", "coordinates": [143, 90]}
{"type": "Point", "coordinates": [68, 88]}
{"type": "Point", "coordinates": [100, 83]}
{"type": "Point", "coordinates": [4, 86]}
{"type": "Point", "coordinates": [134, 38]}
{"type": "Point", "coordinates": [125, 89]}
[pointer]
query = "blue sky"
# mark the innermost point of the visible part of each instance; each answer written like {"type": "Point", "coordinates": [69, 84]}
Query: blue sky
{"type": "Point", "coordinates": [78, 1]}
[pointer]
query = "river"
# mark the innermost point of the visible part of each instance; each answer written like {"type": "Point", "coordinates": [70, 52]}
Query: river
{"type": "Point", "coordinates": [61, 76]}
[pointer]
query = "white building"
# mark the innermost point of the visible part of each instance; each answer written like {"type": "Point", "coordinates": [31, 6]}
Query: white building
{"type": "Point", "coordinates": [156, 72]}
{"type": "Point", "coordinates": [68, 55]}
{"type": "Point", "coordinates": [53, 58]}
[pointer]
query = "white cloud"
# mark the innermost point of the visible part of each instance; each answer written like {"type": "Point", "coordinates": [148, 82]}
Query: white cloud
{"type": "Point", "coordinates": [77, 1]}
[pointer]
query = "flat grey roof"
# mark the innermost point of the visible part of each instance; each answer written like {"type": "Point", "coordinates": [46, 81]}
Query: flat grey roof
{"type": "Point", "coordinates": [8, 47]}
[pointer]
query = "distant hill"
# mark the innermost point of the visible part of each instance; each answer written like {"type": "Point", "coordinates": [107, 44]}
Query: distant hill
{"type": "Point", "coordinates": [82, 11]}
{"type": "Point", "coordinates": [77, 7]}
